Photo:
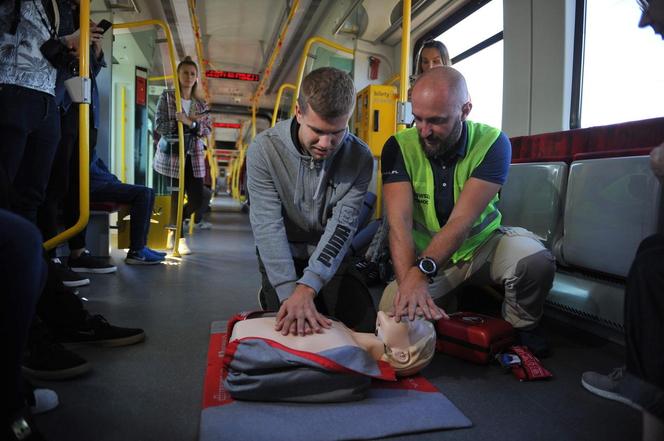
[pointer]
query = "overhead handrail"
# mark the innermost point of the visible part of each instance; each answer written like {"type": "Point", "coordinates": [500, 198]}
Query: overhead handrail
{"type": "Point", "coordinates": [83, 135]}
{"type": "Point", "coordinates": [268, 68]}
{"type": "Point", "coordinates": [303, 62]}
{"type": "Point", "coordinates": [178, 107]}
{"type": "Point", "coordinates": [278, 101]}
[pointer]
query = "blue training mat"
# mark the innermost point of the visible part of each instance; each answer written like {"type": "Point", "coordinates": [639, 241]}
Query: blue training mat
{"type": "Point", "coordinates": [409, 406]}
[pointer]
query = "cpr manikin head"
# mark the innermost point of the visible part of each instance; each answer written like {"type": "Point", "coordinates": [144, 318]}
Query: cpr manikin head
{"type": "Point", "coordinates": [409, 345]}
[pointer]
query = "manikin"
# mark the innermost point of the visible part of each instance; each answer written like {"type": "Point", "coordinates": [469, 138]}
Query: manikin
{"type": "Point", "coordinates": [407, 346]}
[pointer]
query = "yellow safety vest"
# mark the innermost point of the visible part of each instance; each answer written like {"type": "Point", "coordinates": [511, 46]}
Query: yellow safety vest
{"type": "Point", "coordinates": [480, 138]}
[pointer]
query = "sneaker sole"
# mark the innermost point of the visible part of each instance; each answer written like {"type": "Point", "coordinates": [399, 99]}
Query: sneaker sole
{"type": "Point", "coordinates": [76, 283]}
{"type": "Point", "coordinates": [94, 270]}
{"type": "Point", "coordinates": [610, 395]}
{"type": "Point", "coordinates": [142, 262]}
{"type": "Point", "coordinates": [111, 343]}
{"type": "Point", "coordinates": [62, 374]}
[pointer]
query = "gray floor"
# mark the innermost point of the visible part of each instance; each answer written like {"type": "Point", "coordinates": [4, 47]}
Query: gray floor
{"type": "Point", "coordinates": [153, 391]}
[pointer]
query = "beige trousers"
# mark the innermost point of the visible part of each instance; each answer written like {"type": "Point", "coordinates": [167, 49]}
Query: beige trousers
{"type": "Point", "coordinates": [512, 257]}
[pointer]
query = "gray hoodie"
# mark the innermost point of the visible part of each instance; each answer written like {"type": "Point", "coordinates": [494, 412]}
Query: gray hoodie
{"type": "Point", "coordinates": [302, 208]}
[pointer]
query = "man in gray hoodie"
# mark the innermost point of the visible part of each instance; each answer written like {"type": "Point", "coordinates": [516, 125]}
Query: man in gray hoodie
{"type": "Point", "coordinates": [307, 178]}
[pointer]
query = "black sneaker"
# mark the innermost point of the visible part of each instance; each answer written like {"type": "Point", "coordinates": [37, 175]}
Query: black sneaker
{"type": "Point", "coordinates": [97, 331]}
{"type": "Point", "coordinates": [534, 340]}
{"type": "Point", "coordinates": [68, 277]}
{"type": "Point", "coordinates": [85, 263]}
{"type": "Point", "coordinates": [46, 359]}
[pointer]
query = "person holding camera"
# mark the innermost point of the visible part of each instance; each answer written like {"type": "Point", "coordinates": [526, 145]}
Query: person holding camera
{"type": "Point", "coordinates": [195, 117]}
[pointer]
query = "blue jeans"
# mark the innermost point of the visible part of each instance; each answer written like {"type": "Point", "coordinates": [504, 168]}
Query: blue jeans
{"type": "Point", "coordinates": [29, 135]}
{"type": "Point", "coordinates": [140, 199]}
{"type": "Point", "coordinates": [23, 272]}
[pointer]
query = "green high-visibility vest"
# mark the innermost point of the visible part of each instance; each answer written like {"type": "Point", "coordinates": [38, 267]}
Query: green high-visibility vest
{"type": "Point", "coordinates": [480, 138]}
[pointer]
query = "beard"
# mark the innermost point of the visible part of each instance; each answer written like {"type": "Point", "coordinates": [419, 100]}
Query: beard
{"type": "Point", "coordinates": [437, 147]}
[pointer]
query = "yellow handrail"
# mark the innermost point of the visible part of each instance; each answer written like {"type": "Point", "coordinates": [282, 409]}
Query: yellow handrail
{"type": "Point", "coordinates": [199, 47]}
{"type": "Point", "coordinates": [278, 101]}
{"type": "Point", "coordinates": [393, 80]}
{"type": "Point", "coordinates": [161, 78]}
{"type": "Point", "coordinates": [123, 134]}
{"type": "Point", "coordinates": [273, 57]}
{"type": "Point", "coordinates": [303, 62]}
{"type": "Point", "coordinates": [178, 107]}
{"type": "Point", "coordinates": [83, 135]}
{"type": "Point", "coordinates": [405, 51]}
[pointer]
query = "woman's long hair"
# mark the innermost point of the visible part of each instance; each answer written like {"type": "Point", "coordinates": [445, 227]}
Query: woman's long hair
{"type": "Point", "coordinates": [442, 49]}
{"type": "Point", "coordinates": [194, 89]}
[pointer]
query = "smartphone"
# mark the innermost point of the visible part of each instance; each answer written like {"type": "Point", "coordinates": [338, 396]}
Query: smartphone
{"type": "Point", "coordinates": [105, 25]}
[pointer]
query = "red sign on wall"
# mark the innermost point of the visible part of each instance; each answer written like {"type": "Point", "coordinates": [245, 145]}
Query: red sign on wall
{"type": "Point", "coordinates": [141, 86]}
{"type": "Point", "coordinates": [228, 75]}
{"type": "Point", "coordinates": [221, 125]}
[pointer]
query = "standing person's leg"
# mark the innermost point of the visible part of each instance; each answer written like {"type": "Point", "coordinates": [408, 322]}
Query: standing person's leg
{"type": "Point", "coordinates": [193, 186]}
{"type": "Point", "coordinates": [58, 184]}
{"type": "Point", "coordinates": [30, 135]}
{"type": "Point", "coordinates": [644, 335]}
{"type": "Point", "coordinates": [23, 272]}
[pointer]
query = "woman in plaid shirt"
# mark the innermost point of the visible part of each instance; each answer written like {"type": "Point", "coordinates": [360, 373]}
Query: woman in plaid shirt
{"type": "Point", "coordinates": [197, 125]}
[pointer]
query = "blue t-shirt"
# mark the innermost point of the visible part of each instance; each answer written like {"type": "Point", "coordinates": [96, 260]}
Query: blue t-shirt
{"type": "Point", "coordinates": [493, 169]}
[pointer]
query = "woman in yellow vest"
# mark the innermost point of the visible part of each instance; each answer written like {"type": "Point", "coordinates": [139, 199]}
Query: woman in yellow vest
{"type": "Point", "coordinates": [440, 183]}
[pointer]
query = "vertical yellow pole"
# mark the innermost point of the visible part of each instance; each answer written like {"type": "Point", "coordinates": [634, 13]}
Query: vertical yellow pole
{"type": "Point", "coordinates": [253, 121]}
{"type": "Point", "coordinates": [83, 134]}
{"type": "Point", "coordinates": [123, 134]}
{"type": "Point", "coordinates": [405, 56]}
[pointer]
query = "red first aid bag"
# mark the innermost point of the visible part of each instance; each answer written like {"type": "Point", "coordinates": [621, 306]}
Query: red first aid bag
{"type": "Point", "coordinates": [473, 337]}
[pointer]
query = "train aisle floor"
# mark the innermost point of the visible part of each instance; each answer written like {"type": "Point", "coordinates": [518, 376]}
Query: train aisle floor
{"type": "Point", "coordinates": [153, 390]}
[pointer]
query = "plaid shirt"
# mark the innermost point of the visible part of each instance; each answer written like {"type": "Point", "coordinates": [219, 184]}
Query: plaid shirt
{"type": "Point", "coordinates": [168, 165]}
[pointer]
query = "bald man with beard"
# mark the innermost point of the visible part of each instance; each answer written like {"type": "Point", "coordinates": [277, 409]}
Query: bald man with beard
{"type": "Point", "coordinates": [440, 183]}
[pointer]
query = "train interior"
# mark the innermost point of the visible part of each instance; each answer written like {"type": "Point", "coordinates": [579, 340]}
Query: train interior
{"type": "Point", "coordinates": [586, 191]}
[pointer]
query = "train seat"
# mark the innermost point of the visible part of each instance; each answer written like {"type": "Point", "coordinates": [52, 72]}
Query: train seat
{"type": "Point", "coordinates": [611, 205]}
{"type": "Point", "coordinates": [533, 198]}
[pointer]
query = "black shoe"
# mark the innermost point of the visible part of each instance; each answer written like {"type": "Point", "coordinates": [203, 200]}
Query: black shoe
{"type": "Point", "coordinates": [97, 331]}
{"type": "Point", "coordinates": [534, 340]}
{"type": "Point", "coordinates": [20, 427]}
{"type": "Point", "coordinates": [68, 277]}
{"type": "Point", "coordinates": [46, 359]}
{"type": "Point", "coordinates": [85, 263]}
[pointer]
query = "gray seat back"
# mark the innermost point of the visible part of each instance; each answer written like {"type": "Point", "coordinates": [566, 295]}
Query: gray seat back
{"type": "Point", "coordinates": [611, 205]}
{"type": "Point", "coordinates": [533, 198]}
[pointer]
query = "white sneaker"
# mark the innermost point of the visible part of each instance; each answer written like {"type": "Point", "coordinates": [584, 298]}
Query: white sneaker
{"type": "Point", "coordinates": [203, 225]}
{"type": "Point", "coordinates": [183, 249]}
{"type": "Point", "coordinates": [45, 400]}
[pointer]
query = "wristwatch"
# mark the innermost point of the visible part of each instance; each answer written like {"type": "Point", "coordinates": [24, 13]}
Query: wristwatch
{"type": "Point", "coordinates": [428, 267]}
{"type": "Point", "coordinates": [193, 127]}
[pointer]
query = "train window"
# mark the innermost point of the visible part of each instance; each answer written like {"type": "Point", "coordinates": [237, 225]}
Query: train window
{"type": "Point", "coordinates": [623, 59]}
{"type": "Point", "coordinates": [474, 38]}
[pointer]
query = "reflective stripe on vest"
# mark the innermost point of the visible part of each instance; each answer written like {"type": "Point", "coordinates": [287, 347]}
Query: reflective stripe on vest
{"type": "Point", "coordinates": [480, 138]}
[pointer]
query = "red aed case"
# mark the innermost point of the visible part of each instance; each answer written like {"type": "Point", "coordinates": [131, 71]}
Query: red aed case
{"type": "Point", "coordinates": [473, 337]}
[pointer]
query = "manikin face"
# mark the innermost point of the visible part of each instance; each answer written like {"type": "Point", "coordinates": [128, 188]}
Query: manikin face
{"type": "Point", "coordinates": [320, 137]}
{"type": "Point", "coordinates": [653, 16]}
{"type": "Point", "coordinates": [430, 58]}
{"type": "Point", "coordinates": [187, 75]}
{"type": "Point", "coordinates": [409, 345]}
{"type": "Point", "coordinates": [438, 118]}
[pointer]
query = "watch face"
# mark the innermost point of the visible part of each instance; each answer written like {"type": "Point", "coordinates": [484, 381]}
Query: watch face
{"type": "Point", "coordinates": [427, 266]}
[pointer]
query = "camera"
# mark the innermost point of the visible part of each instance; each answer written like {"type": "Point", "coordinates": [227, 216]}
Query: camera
{"type": "Point", "coordinates": [60, 56]}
